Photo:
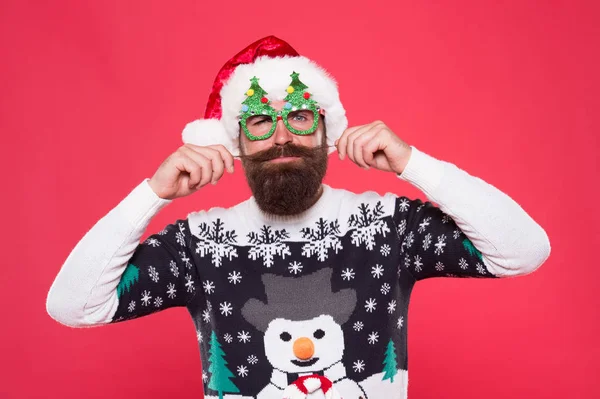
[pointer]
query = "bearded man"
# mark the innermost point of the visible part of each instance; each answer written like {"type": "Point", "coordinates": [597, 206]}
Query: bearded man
{"type": "Point", "coordinates": [302, 290]}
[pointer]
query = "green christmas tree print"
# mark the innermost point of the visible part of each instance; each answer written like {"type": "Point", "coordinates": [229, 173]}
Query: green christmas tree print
{"type": "Point", "coordinates": [296, 93]}
{"type": "Point", "coordinates": [390, 365]}
{"type": "Point", "coordinates": [471, 248]}
{"type": "Point", "coordinates": [129, 277]}
{"type": "Point", "coordinates": [220, 374]}
{"type": "Point", "coordinates": [256, 100]}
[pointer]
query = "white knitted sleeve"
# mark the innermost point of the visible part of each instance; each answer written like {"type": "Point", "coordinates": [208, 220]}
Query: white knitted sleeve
{"type": "Point", "coordinates": [510, 241]}
{"type": "Point", "coordinates": [84, 293]}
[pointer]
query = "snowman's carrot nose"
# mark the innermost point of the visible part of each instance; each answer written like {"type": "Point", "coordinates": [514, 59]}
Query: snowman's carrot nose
{"type": "Point", "coordinates": [304, 348]}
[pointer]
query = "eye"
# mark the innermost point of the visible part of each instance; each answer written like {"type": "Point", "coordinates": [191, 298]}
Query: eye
{"type": "Point", "coordinates": [285, 336]}
{"type": "Point", "coordinates": [319, 334]}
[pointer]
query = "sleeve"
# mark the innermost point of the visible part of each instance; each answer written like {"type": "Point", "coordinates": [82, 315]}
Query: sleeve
{"type": "Point", "coordinates": [475, 230]}
{"type": "Point", "coordinates": [110, 276]}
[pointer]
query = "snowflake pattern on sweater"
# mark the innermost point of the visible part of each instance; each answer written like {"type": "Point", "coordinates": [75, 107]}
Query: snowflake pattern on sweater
{"type": "Point", "coordinates": [273, 300]}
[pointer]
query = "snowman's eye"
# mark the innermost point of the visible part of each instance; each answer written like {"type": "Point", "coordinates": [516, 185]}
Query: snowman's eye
{"type": "Point", "coordinates": [319, 334]}
{"type": "Point", "coordinates": [285, 336]}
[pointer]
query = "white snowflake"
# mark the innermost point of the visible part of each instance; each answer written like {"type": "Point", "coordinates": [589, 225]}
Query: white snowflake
{"type": "Point", "coordinates": [189, 283]}
{"type": "Point", "coordinates": [358, 366]}
{"type": "Point", "coordinates": [367, 224]}
{"type": "Point", "coordinates": [146, 297]}
{"type": "Point", "coordinates": [400, 322]}
{"type": "Point", "coordinates": [418, 263]}
{"type": "Point", "coordinates": [153, 242]}
{"type": "Point", "coordinates": [463, 264]}
{"type": "Point", "coordinates": [153, 273]}
{"type": "Point", "coordinates": [385, 289]}
{"type": "Point", "coordinates": [403, 205]}
{"type": "Point", "coordinates": [295, 267]}
{"type": "Point", "coordinates": [234, 277]}
{"type": "Point", "coordinates": [185, 259]}
{"type": "Point", "coordinates": [173, 268]}
{"type": "Point", "coordinates": [439, 246]}
{"type": "Point", "coordinates": [358, 326]}
{"type": "Point", "coordinates": [419, 207]}
{"type": "Point", "coordinates": [158, 301]}
{"type": "Point", "coordinates": [209, 287]}
{"type": "Point", "coordinates": [373, 337]}
{"type": "Point", "coordinates": [401, 229]}
{"type": "Point", "coordinates": [427, 241]}
{"type": "Point", "coordinates": [391, 306]}
{"type": "Point", "coordinates": [131, 306]}
{"type": "Point", "coordinates": [377, 271]}
{"type": "Point", "coordinates": [199, 336]}
{"type": "Point", "coordinates": [208, 306]}
{"type": "Point", "coordinates": [408, 240]}
{"type": "Point", "coordinates": [180, 236]}
{"type": "Point", "coordinates": [480, 268]}
{"type": "Point", "coordinates": [162, 232]}
{"type": "Point", "coordinates": [456, 233]}
{"type": "Point", "coordinates": [171, 292]}
{"type": "Point", "coordinates": [322, 238]}
{"type": "Point", "coordinates": [385, 250]}
{"type": "Point", "coordinates": [252, 359]}
{"type": "Point", "coordinates": [446, 219]}
{"type": "Point", "coordinates": [268, 243]}
{"type": "Point", "coordinates": [206, 315]}
{"type": "Point", "coordinates": [228, 338]}
{"type": "Point", "coordinates": [423, 225]}
{"type": "Point", "coordinates": [217, 242]}
{"type": "Point", "coordinates": [243, 336]}
{"type": "Point", "coordinates": [242, 371]}
{"type": "Point", "coordinates": [406, 261]}
{"type": "Point", "coordinates": [225, 308]}
{"type": "Point", "coordinates": [370, 305]}
{"type": "Point", "coordinates": [348, 274]}
{"type": "Point", "coordinates": [439, 266]}
{"type": "Point", "coordinates": [204, 376]}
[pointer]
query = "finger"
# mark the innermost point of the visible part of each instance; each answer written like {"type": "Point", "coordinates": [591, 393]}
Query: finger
{"type": "Point", "coordinates": [185, 164]}
{"type": "Point", "coordinates": [371, 147]}
{"type": "Point", "coordinates": [202, 158]}
{"type": "Point", "coordinates": [359, 144]}
{"type": "Point", "coordinates": [342, 141]}
{"type": "Point", "coordinates": [350, 145]}
{"type": "Point", "coordinates": [227, 157]}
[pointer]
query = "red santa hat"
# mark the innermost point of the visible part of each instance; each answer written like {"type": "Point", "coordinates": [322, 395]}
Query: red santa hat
{"type": "Point", "coordinates": [272, 60]}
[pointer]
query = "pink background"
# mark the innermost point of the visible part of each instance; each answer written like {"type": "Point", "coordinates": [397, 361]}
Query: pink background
{"type": "Point", "coordinates": [94, 96]}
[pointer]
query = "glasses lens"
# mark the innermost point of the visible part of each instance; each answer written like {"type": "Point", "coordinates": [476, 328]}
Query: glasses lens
{"type": "Point", "coordinates": [259, 125]}
{"type": "Point", "coordinates": [301, 120]}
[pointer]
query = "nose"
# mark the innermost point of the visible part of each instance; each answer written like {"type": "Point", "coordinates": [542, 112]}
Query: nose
{"type": "Point", "coordinates": [282, 135]}
{"type": "Point", "coordinates": [304, 348]}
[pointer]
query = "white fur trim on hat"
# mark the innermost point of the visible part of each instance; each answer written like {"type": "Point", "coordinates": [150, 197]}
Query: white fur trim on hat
{"type": "Point", "coordinates": [204, 132]}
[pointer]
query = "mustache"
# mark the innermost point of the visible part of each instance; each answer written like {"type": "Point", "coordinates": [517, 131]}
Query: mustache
{"type": "Point", "coordinates": [288, 150]}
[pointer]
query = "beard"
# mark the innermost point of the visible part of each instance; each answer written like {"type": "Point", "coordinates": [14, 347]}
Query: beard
{"type": "Point", "coordinates": [286, 188]}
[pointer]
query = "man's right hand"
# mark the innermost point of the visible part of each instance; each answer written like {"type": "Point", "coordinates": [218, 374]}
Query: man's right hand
{"type": "Point", "coordinates": [190, 168]}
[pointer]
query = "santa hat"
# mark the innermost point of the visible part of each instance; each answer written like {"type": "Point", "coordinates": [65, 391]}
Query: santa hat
{"type": "Point", "coordinates": [272, 61]}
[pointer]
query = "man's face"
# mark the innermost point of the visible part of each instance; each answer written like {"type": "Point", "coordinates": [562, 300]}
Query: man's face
{"type": "Point", "coordinates": [286, 170]}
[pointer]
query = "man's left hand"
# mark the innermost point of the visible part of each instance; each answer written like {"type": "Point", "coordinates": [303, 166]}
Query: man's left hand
{"type": "Point", "coordinates": [374, 145]}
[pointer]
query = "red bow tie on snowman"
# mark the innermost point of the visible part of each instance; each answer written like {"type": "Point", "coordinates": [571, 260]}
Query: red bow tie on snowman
{"type": "Point", "coordinates": [308, 384]}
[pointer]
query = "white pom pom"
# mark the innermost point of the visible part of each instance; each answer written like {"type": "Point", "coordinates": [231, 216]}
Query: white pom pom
{"type": "Point", "coordinates": [204, 132]}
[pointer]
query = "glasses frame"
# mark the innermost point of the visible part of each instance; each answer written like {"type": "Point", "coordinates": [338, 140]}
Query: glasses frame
{"type": "Point", "coordinates": [281, 114]}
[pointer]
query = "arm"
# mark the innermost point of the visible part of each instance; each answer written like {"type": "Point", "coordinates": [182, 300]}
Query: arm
{"type": "Point", "coordinates": [109, 268]}
{"type": "Point", "coordinates": [477, 230]}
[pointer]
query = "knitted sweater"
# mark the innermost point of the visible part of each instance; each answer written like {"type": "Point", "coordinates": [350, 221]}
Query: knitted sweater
{"type": "Point", "coordinates": [325, 293]}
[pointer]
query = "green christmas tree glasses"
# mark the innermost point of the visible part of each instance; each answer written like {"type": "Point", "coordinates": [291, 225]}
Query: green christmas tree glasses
{"type": "Point", "coordinates": [258, 118]}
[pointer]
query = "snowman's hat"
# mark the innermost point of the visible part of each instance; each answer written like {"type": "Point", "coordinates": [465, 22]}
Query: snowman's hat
{"type": "Point", "coordinates": [300, 298]}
